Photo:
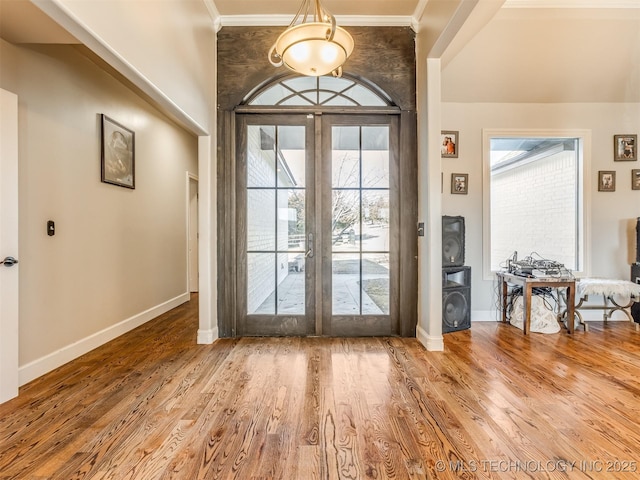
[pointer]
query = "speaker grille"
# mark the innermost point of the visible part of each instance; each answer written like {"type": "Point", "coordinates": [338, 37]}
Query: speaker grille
{"type": "Point", "coordinates": [456, 309]}
{"type": "Point", "coordinates": [452, 241]}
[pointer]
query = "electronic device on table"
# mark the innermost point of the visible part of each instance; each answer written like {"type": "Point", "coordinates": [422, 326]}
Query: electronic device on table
{"type": "Point", "coordinates": [532, 267]}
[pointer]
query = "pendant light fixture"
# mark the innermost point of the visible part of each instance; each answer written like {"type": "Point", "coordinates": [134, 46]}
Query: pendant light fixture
{"type": "Point", "coordinates": [313, 44]}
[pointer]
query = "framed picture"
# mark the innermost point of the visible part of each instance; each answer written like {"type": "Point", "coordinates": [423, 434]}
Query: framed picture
{"type": "Point", "coordinates": [449, 144]}
{"type": "Point", "coordinates": [118, 154]}
{"type": "Point", "coordinates": [635, 179]}
{"type": "Point", "coordinates": [625, 148]}
{"type": "Point", "coordinates": [606, 181]}
{"type": "Point", "coordinates": [460, 183]}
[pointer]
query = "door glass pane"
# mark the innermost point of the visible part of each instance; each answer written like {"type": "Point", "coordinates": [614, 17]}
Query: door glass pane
{"type": "Point", "coordinates": [261, 283]}
{"type": "Point", "coordinates": [320, 90]}
{"type": "Point", "coordinates": [345, 157]}
{"type": "Point", "coordinates": [375, 220]}
{"type": "Point", "coordinates": [375, 138]}
{"type": "Point", "coordinates": [345, 169]}
{"type": "Point", "coordinates": [365, 97]}
{"type": "Point", "coordinates": [296, 101]}
{"type": "Point", "coordinates": [291, 284]}
{"type": "Point", "coordinates": [261, 156]}
{"type": "Point", "coordinates": [291, 220]}
{"type": "Point", "coordinates": [346, 284]}
{"type": "Point", "coordinates": [301, 83]}
{"type": "Point", "coordinates": [375, 284]}
{"type": "Point", "coordinates": [339, 101]}
{"type": "Point", "coordinates": [291, 248]}
{"type": "Point", "coordinates": [334, 84]}
{"type": "Point", "coordinates": [360, 220]}
{"type": "Point", "coordinates": [375, 157]}
{"type": "Point", "coordinates": [345, 221]}
{"type": "Point", "coordinates": [291, 156]}
{"type": "Point", "coordinates": [261, 219]}
{"type": "Point", "coordinates": [276, 220]}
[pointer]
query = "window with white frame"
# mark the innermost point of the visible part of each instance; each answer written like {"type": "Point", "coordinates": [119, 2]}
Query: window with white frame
{"type": "Point", "coordinates": [534, 198]}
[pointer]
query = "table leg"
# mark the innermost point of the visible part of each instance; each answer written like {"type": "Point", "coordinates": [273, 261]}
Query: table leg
{"type": "Point", "coordinates": [526, 299]}
{"type": "Point", "coordinates": [504, 299]}
{"type": "Point", "coordinates": [571, 302]}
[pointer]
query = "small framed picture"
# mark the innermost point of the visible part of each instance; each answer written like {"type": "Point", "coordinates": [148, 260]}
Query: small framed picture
{"type": "Point", "coordinates": [606, 181]}
{"type": "Point", "coordinates": [118, 154]}
{"type": "Point", "coordinates": [635, 179]}
{"type": "Point", "coordinates": [625, 148]}
{"type": "Point", "coordinates": [460, 183]}
{"type": "Point", "coordinates": [448, 144]}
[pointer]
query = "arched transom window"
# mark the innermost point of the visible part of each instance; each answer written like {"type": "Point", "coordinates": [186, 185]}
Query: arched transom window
{"type": "Point", "coordinates": [319, 91]}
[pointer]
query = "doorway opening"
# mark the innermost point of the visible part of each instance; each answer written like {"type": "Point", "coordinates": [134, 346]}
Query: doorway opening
{"type": "Point", "coordinates": [319, 217]}
{"type": "Point", "coordinates": [192, 233]}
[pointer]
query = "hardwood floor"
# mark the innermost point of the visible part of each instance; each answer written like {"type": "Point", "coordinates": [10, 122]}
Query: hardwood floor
{"type": "Point", "coordinates": [496, 404]}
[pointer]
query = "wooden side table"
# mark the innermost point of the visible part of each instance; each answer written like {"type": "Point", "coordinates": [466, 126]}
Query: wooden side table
{"type": "Point", "coordinates": [528, 284]}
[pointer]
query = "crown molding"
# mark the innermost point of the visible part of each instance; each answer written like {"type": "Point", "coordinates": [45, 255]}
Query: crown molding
{"type": "Point", "coordinates": [606, 4]}
{"type": "Point", "coordinates": [343, 20]}
{"type": "Point", "coordinates": [213, 13]}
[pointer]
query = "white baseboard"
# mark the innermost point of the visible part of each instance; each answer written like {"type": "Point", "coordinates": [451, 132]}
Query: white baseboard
{"type": "Point", "coordinates": [485, 316]}
{"type": "Point", "coordinates": [49, 362]}
{"type": "Point", "coordinates": [432, 344]}
{"type": "Point", "coordinates": [207, 337]}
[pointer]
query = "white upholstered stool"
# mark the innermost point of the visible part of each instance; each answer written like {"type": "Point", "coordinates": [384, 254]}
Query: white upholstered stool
{"type": "Point", "coordinates": [609, 289]}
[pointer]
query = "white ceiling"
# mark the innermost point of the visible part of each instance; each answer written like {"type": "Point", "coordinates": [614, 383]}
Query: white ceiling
{"type": "Point", "coordinates": [549, 56]}
{"type": "Point", "coordinates": [530, 51]}
{"type": "Point", "coordinates": [22, 22]}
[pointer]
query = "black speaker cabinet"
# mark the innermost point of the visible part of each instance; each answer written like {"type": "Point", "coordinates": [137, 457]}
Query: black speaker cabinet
{"type": "Point", "coordinates": [635, 312]}
{"type": "Point", "coordinates": [638, 242]}
{"type": "Point", "coordinates": [635, 273]}
{"type": "Point", "coordinates": [456, 277]}
{"type": "Point", "coordinates": [456, 309]}
{"type": "Point", "coordinates": [452, 241]}
{"type": "Point", "coordinates": [456, 299]}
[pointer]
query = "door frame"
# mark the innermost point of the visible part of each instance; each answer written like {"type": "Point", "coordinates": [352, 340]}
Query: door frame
{"type": "Point", "coordinates": [405, 244]}
{"type": "Point", "coordinates": [226, 212]}
{"type": "Point", "coordinates": [192, 232]}
{"type": "Point", "coordinates": [9, 282]}
{"type": "Point", "coordinates": [361, 325]}
{"type": "Point", "coordinates": [248, 325]}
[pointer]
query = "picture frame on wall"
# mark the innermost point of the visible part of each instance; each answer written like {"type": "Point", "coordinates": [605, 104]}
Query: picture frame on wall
{"type": "Point", "coordinates": [625, 148]}
{"type": "Point", "coordinates": [449, 144]}
{"type": "Point", "coordinates": [635, 179]}
{"type": "Point", "coordinates": [606, 181]}
{"type": "Point", "coordinates": [118, 154]}
{"type": "Point", "coordinates": [459, 183]}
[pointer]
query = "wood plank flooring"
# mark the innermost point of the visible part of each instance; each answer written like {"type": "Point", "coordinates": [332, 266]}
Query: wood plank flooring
{"type": "Point", "coordinates": [496, 404]}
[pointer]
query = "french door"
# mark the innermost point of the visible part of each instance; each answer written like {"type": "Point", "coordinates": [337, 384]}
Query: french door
{"type": "Point", "coordinates": [317, 229]}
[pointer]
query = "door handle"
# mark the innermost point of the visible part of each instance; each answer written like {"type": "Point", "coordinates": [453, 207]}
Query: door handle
{"type": "Point", "coordinates": [309, 253]}
{"type": "Point", "coordinates": [8, 261]}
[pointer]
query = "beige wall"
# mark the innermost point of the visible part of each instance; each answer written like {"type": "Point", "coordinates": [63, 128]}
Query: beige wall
{"type": "Point", "coordinates": [117, 253]}
{"type": "Point", "coordinates": [165, 47]}
{"type": "Point", "coordinates": [612, 214]}
{"type": "Point", "coordinates": [543, 69]}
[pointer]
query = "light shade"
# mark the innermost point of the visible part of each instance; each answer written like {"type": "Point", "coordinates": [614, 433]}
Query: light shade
{"type": "Point", "coordinates": [313, 48]}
